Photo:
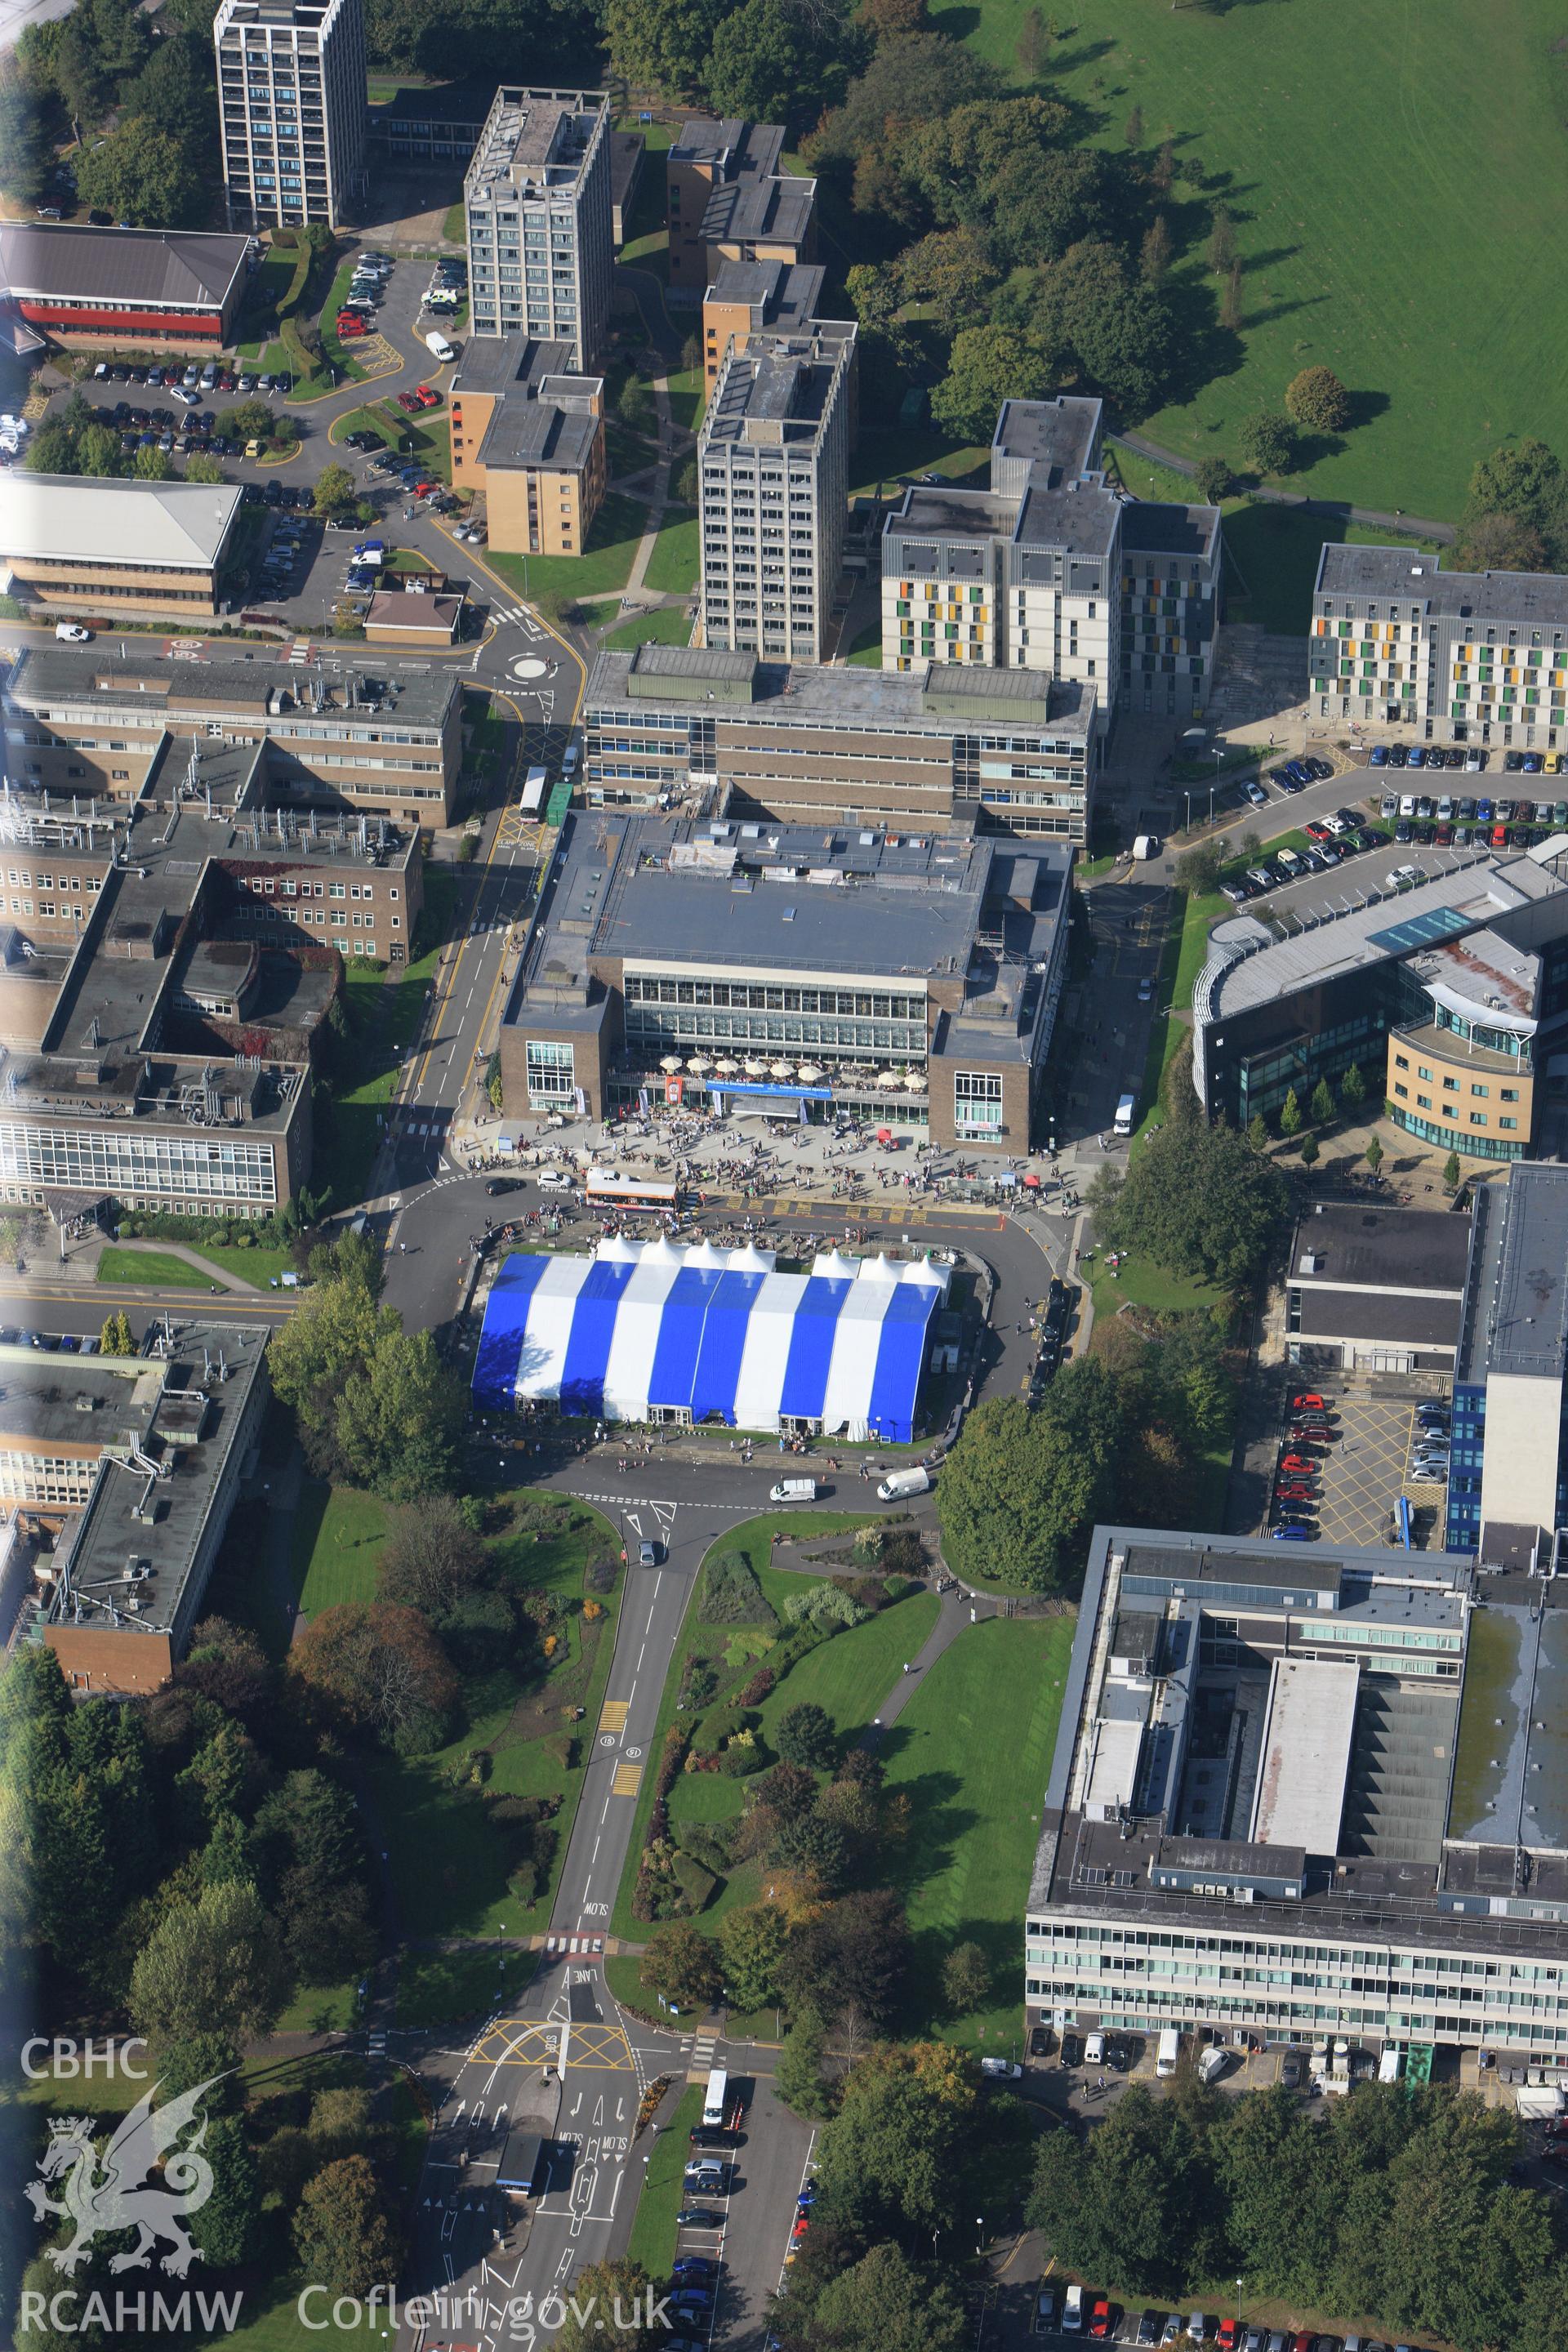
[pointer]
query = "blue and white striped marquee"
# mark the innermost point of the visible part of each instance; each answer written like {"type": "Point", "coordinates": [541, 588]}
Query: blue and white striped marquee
{"type": "Point", "coordinates": [653, 1329]}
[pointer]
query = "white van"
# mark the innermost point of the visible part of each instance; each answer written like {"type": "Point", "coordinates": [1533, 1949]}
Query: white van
{"type": "Point", "coordinates": [71, 632]}
{"type": "Point", "coordinates": [1072, 2311]}
{"type": "Point", "coordinates": [439, 344]}
{"type": "Point", "coordinates": [1169, 2052]}
{"type": "Point", "coordinates": [794, 1490]}
{"type": "Point", "coordinates": [1146, 846]}
{"type": "Point", "coordinates": [904, 1481]}
{"type": "Point", "coordinates": [1126, 1111]}
{"type": "Point", "coordinates": [1094, 2050]}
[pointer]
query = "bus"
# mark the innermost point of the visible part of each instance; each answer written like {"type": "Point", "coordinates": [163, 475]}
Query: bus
{"type": "Point", "coordinates": [608, 1191]}
{"type": "Point", "coordinates": [713, 2104]}
{"type": "Point", "coordinates": [532, 801]}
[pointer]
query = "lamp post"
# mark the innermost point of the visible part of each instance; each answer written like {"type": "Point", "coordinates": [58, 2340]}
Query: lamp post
{"type": "Point", "coordinates": [979, 2230]}
{"type": "Point", "coordinates": [1239, 2285]}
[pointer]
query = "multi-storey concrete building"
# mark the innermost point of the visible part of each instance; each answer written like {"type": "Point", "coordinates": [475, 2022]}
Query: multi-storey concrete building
{"type": "Point", "coordinates": [82, 722]}
{"type": "Point", "coordinates": [291, 100]}
{"type": "Point", "coordinates": [1447, 995]}
{"type": "Point", "coordinates": [131, 547]}
{"type": "Point", "coordinates": [1050, 570]}
{"type": "Point", "coordinates": [1317, 1798]}
{"type": "Point", "coordinates": [729, 199]}
{"type": "Point", "coordinates": [1468, 656]}
{"type": "Point", "coordinates": [755, 297]}
{"type": "Point", "coordinates": [1004, 750]}
{"type": "Point", "coordinates": [773, 474]}
{"type": "Point", "coordinates": [143, 288]}
{"type": "Point", "coordinates": [528, 433]}
{"type": "Point", "coordinates": [1508, 1490]}
{"type": "Point", "coordinates": [537, 198]}
{"type": "Point", "coordinates": [810, 970]}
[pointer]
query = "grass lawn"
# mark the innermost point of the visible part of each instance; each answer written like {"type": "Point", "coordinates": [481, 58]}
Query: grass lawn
{"type": "Point", "coordinates": [318, 2009]}
{"type": "Point", "coordinates": [338, 1535]}
{"type": "Point", "coordinates": [340, 353]}
{"type": "Point", "coordinates": [666, 626]}
{"type": "Point", "coordinates": [879, 459]}
{"type": "Point", "coordinates": [274, 274]}
{"type": "Point", "coordinates": [255, 1265]}
{"type": "Point", "coordinates": [448, 1864]}
{"type": "Point", "coordinates": [973, 1749]}
{"type": "Point", "coordinates": [848, 1675]}
{"type": "Point", "coordinates": [663, 2187]}
{"type": "Point", "coordinates": [672, 566]}
{"type": "Point", "coordinates": [1328, 278]}
{"type": "Point", "coordinates": [384, 1015]}
{"type": "Point", "coordinates": [445, 1987]}
{"type": "Point", "coordinates": [688, 397]}
{"type": "Point", "coordinates": [155, 1268]}
{"type": "Point", "coordinates": [1145, 1284]}
{"type": "Point", "coordinates": [601, 569]}
{"type": "Point", "coordinates": [866, 653]}
{"type": "Point", "coordinates": [455, 227]}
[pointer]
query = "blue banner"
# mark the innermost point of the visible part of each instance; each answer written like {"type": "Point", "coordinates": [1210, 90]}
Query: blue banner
{"type": "Point", "coordinates": [802, 1094]}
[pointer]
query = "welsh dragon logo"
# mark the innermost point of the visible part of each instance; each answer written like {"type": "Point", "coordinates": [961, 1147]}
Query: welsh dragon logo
{"type": "Point", "coordinates": [143, 2181]}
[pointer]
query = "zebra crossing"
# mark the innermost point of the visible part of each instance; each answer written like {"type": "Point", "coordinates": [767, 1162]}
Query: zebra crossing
{"type": "Point", "coordinates": [573, 1944]}
{"type": "Point", "coordinates": [518, 616]}
{"type": "Point", "coordinates": [702, 2053]}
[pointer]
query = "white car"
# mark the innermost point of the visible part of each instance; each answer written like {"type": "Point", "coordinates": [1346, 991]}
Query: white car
{"type": "Point", "coordinates": [552, 1178]}
{"type": "Point", "coordinates": [1003, 2068]}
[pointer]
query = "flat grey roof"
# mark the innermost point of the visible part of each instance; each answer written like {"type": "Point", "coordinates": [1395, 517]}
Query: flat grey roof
{"type": "Point", "coordinates": [739, 146]}
{"type": "Point", "coordinates": [1382, 1249]}
{"type": "Point", "coordinates": [774, 209]}
{"type": "Point", "coordinates": [534, 140]}
{"type": "Point", "coordinates": [527, 434]}
{"type": "Point", "coordinates": [852, 698]}
{"type": "Point", "coordinates": [772, 393]}
{"type": "Point", "coordinates": [1061, 435]}
{"type": "Point", "coordinates": [928, 512]}
{"type": "Point", "coordinates": [1511, 1781]}
{"type": "Point", "coordinates": [194, 1424]}
{"type": "Point", "coordinates": [1416, 578]}
{"type": "Point", "coordinates": [1527, 1311]}
{"type": "Point", "coordinates": [1426, 1323]}
{"type": "Point", "coordinates": [193, 266]}
{"type": "Point", "coordinates": [178, 526]}
{"type": "Point", "coordinates": [787, 292]}
{"type": "Point", "coordinates": [507, 363]}
{"type": "Point", "coordinates": [1080, 518]}
{"type": "Point", "coordinates": [1149, 527]}
{"type": "Point", "coordinates": [241, 688]}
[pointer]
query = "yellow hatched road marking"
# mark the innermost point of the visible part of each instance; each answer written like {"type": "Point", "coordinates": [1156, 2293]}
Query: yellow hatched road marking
{"type": "Point", "coordinates": [614, 1715]}
{"type": "Point", "coordinates": [627, 1781]}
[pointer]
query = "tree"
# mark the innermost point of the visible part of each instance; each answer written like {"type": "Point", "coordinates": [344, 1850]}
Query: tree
{"type": "Point", "coordinates": [876, 295]}
{"type": "Point", "coordinates": [1154, 254]}
{"type": "Point", "coordinates": [951, 270]}
{"type": "Point", "coordinates": [681, 1966]}
{"type": "Point", "coordinates": [341, 2232]}
{"type": "Point", "coordinates": [986, 365]}
{"type": "Point", "coordinates": [152, 465]}
{"type": "Point", "coordinates": [1198, 869]}
{"type": "Point", "coordinates": [1268, 443]}
{"type": "Point", "coordinates": [1033, 49]}
{"type": "Point", "coordinates": [1452, 1171]}
{"type": "Point", "coordinates": [1043, 200]}
{"type": "Point", "coordinates": [1524, 480]}
{"type": "Point", "coordinates": [662, 44]}
{"type": "Point", "coordinates": [202, 466]}
{"type": "Point", "coordinates": [753, 1943]}
{"type": "Point", "coordinates": [1290, 1114]}
{"type": "Point", "coordinates": [850, 1957]}
{"type": "Point", "coordinates": [399, 1421]}
{"type": "Point", "coordinates": [1120, 334]}
{"type": "Point", "coordinates": [431, 1557]}
{"type": "Point", "coordinates": [1374, 1154]}
{"type": "Point", "coordinates": [610, 2310]}
{"type": "Point", "coordinates": [965, 1979]}
{"type": "Point", "coordinates": [1021, 1488]}
{"type": "Point", "coordinates": [1353, 1088]}
{"type": "Point", "coordinates": [1162, 171]}
{"type": "Point", "coordinates": [1258, 1131]}
{"type": "Point", "coordinates": [1216, 478]}
{"type": "Point", "coordinates": [885, 2302]}
{"type": "Point", "coordinates": [25, 151]}
{"type": "Point", "coordinates": [115, 1339]}
{"type": "Point", "coordinates": [883, 18]}
{"type": "Point", "coordinates": [1197, 1199]}
{"type": "Point", "coordinates": [97, 452]}
{"type": "Point", "coordinates": [1316, 397]}
{"type": "Point", "coordinates": [805, 1736]}
{"type": "Point", "coordinates": [231, 2217]}
{"type": "Point", "coordinates": [1500, 542]}
{"type": "Point", "coordinates": [1132, 130]}
{"type": "Point", "coordinates": [1230, 312]}
{"type": "Point", "coordinates": [1222, 243]}
{"type": "Point", "coordinates": [773, 63]}
{"type": "Point", "coordinates": [145, 175]}
{"type": "Point", "coordinates": [336, 493]}
{"type": "Point", "coordinates": [1135, 2203]}
{"type": "Point", "coordinates": [1310, 1149]}
{"type": "Point", "coordinates": [251, 421]}
{"type": "Point", "coordinates": [212, 1966]}
{"type": "Point", "coordinates": [887, 2159]}
{"type": "Point", "coordinates": [383, 1670]}
{"type": "Point", "coordinates": [797, 2077]}
{"type": "Point", "coordinates": [174, 89]}
{"type": "Point", "coordinates": [1323, 1108]}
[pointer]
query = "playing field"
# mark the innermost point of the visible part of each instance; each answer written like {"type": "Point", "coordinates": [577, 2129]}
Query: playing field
{"type": "Point", "coordinates": [1399, 177]}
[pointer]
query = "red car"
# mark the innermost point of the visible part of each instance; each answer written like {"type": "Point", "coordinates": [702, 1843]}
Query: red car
{"type": "Point", "coordinates": [1226, 2339]}
{"type": "Point", "coordinates": [427, 396]}
{"type": "Point", "coordinates": [1294, 1493]}
{"type": "Point", "coordinates": [1308, 1403]}
{"type": "Point", "coordinates": [1099, 2319]}
{"type": "Point", "coordinates": [1319, 833]}
{"type": "Point", "coordinates": [425, 489]}
{"type": "Point", "coordinates": [349, 328]}
{"type": "Point", "coordinates": [1297, 1467]}
{"type": "Point", "coordinates": [406, 401]}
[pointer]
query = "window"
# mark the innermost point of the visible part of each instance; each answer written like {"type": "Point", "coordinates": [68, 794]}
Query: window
{"type": "Point", "coordinates": [1479, 1090]}
{"type": "Point", "coordinates": [977, 1102]}
{"type": "Point", "coordinates": [1478, 1118]}
{"type": "Point", "coordinates": [551, 1071]}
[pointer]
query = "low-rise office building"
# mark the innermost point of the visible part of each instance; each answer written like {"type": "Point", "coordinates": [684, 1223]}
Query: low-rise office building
{"type": "Point", "coordinates": [528, 435]}
{"type": "Point", "coordinates": [1375, 1290]}
{"type": "Point", "coordinates": [1049, 569]}
{"type": "Point", "coordinates": [729, 199]}
{"type": "Point", "coordinates": [80, 721]}
{"type": "Point", "coordinates": [163, 1445]}
{"type": "Point", "coordinates": [129, 549]}
{"type": "Point", "coordinates": [538, 202]}
{"type": "Point", "coordinates": [1446, 996]}
{"type": "Point", "coordinates": [1313, 1795]}
{"type": "Point", "coordinates": [1397, 643]}
{"type": "Point", "coordinates": [430, 123]}
{"type": "Point", "coordinates": [1009, 752]}
{"type": "Point", "coordinates": [802, 971]}
{"type": "Point", "coordinates": [772, 460]}
{"type": "Point", "coordinates": [143, 288]}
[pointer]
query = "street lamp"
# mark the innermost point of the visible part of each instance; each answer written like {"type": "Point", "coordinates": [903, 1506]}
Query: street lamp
{"type": "Point", "coordinates": [1239, 2285]}
{"type": "Point", "coordinates": [979, 2228]}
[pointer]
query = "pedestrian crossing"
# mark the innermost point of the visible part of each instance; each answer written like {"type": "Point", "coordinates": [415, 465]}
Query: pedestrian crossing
{"type": "Point", "coordinates": [518, 615]}
{"type": "Point", "coordinates": [702, 2052]}
{"type": "Point", "coordinates": [574, 1943]}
